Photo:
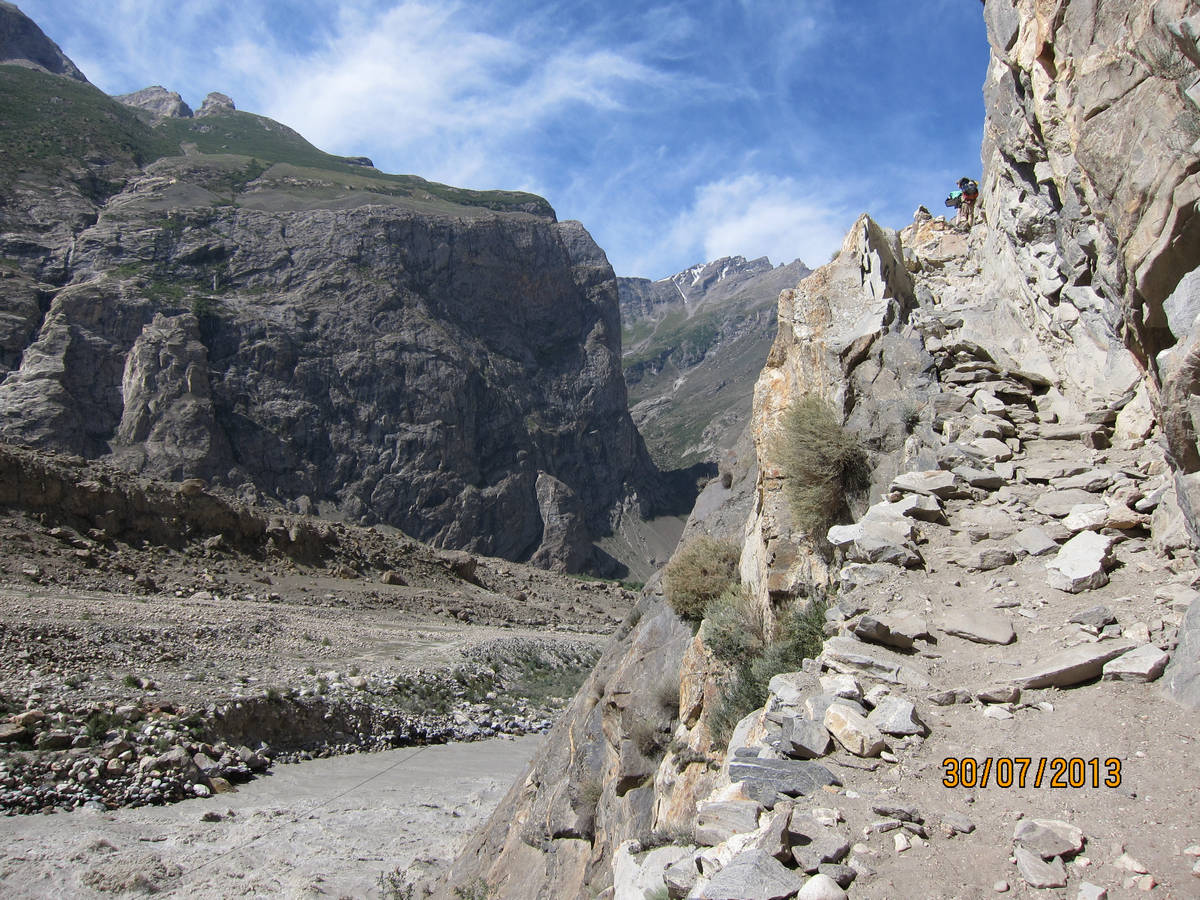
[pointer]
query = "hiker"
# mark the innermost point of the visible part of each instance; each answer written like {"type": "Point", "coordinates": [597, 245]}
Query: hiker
{"type": "Point", "coordinates": [969, 193]}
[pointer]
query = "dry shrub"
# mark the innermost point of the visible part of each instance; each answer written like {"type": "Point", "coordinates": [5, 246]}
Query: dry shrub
{"type": "Point", "coordinates": [823, 462]}
{"type": "Point", "coordinates": [699, 574]}
{"type": "Point", "coordinates": [735, 625]}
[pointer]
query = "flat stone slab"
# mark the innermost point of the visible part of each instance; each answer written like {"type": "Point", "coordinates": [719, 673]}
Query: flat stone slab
{"type": "Point", "coordinates": [984, 557]}
{"type": "Point", "coordinates": [791, 777]}
{"type": "Point", "coordinates": [1035, 541]}
{"type": "Point", "coordinates": [1053, 470]}
{"type": "Point", "coordinates": [845, 654]}
{"type": "Point", "coordinates": [1095, 480]}
{"type": "Point", "coordinates": [806, 739]}
{"type": "Point", "coordinates": [1086, 517]}
{"type": "Point", "coordinates": [1071, 666]}
{"type": "Point", "coordinates": [1182, 677]}
{"type": "Point", "coordinates": [1140, 665]}
{"type": "Point", "coordinates": [978, 626]}
{"type": "Point", "coordinates": [752, 875]}
{"type": "Point", "coordinates": [1037, 872]}
{"type": "Point", "coordinates": [1059, 504]}
{"type": "Point", "coordinates": [814, 844]}
{"type": "Point", "coordinates": [937, 482]}
{"type": "Point", "coordinates": [1080, 563]}
{"type": "Point", "coordinates": [1048, 837]}
{"type": "Point", "coordinates": [899, 630]}
{"type": "Point", "coordinates": [720, 820]}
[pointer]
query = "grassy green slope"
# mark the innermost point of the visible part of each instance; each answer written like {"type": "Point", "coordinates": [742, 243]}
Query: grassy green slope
{"type": "Point", "coordinates": [53, 125]}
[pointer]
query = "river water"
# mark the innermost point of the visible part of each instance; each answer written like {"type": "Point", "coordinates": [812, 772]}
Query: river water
{"type": "Point", "coordinates": [325, 828]}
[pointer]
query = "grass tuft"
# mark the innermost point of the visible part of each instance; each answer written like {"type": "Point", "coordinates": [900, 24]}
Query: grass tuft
{"type": "Point", "coordinates": [824, 464]}
{"type": "Point", "coordinates": [699, 574]}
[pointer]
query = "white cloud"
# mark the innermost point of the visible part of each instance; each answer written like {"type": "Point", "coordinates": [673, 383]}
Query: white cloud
{"type": "Point", "coordinates": [755, 214]}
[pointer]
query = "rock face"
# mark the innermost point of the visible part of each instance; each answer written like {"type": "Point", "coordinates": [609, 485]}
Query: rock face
{"type": "Point", "coordinates": [693, 345]}
{"type": "Point", "coordinates": [444, 361]}
{"type": "Point", "coordinates": [158, 101]}
{"type": "Point", "coordinates": [22, 43]}
{"type": "Point", "coordinates": [1101, 252]}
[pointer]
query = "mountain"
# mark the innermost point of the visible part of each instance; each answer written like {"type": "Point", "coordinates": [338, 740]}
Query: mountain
{"type": "Point", "coordinates": [22, 43]}
{"type": "Point", "coordinates": [212, 296]}
{"type": "Point", "coordinates": [1006, 566]}
{"type": "Point", "coordinates": [692, 346]}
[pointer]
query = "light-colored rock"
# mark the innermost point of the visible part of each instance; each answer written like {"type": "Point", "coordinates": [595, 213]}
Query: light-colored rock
{"type": "Point", "coordinates": [634, 877]}
{"type": "Point", "coordinates": [1048, 837]}
{"type": "Point", "coordinates": [844, 687]}
{"type": "Point", "coordinates": [1034, 541]}
{"type": "Point", "coordinates": [978, 626]}
{"type": "Point", "coordinates": [899, 630]}
{"type": "Point", "coordinates": [1089, 891]}
{"type": "Point", "coordinates": [1095, 616]}
{"type": "Point", "coordinates": [1094, 481]}
{"type": "Point", "coordinates": [1086, 517]}
{"type": "Point", "coordinates": [1072, 666]}
{"type": "Point", "coordinates": [821, 887]}
{"type": "Point", "coordinates": [752, 875]}
{"type": "Point", "coordinates": [1080, 563]}
{"type": "Point", "coordinates": [984, 557]}
{"type": "Point", "coordinates": [717, 821]}
{"type": "Point", "coordinates": [1140, 665]}
{"type": "Point", "coordinates": [897, 716]}
{"type": "Point", "coordinates": [805, 739]}
{"type": "Point", "coordinates": [937, 482]}
{"type": "Point", "coordinates": [843, 654]}
{"type": "Point", "coordinates": [1182, 675]}
{"type": "Point", "coordinates": [853, 731]}
{"type": "Point", "coordinates": [1001, 693]}
{"type": "Point", "coordinates": [1038, 873]}
{"type": "Point", "coordinates": [1060, 503]}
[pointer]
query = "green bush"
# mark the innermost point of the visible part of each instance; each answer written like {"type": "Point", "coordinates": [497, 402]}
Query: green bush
{"type": "Point", "coordinates": [823, 463]}
{"type": "Point", "coordinates": [734, 625]}
{"type": "Point", "coordinates": [699, 574]}
{"type": "Point", "coordinates": [800, 637]}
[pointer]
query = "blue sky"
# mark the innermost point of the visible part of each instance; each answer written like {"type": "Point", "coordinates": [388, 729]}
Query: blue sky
{"type": "Point", "coordinates": [677, 132]}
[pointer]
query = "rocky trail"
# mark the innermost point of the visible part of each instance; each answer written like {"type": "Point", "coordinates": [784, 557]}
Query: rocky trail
{"type": "Point", "coordinates": [987, 716]}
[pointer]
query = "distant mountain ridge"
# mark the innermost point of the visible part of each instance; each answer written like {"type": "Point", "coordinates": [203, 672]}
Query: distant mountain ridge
{"type": "Point", "coordinates": [692, 346]}
{"type": "Point", "coordinates": [23, 43]}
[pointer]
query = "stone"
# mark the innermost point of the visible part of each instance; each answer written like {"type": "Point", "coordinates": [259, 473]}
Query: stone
{"type": "Point", "coordinates": [814, 844]}
{"type": "Point", "coordinates": [1140, 665]}
{"type": "Point", "coordinates": [752, 875]}
{"type": "Point", "coordinates": [787, 690]}
{"type": "Point", "coordinates": [1053, 471]}
{"type": "Point", "coordinates": [853, 731]}
{"type": "Point", "coordinates": [1071, 666]}
{"type": "Point", "coordinates": [773, 836]}
{"type": "Point", "coordinates": [936, 482]}
{"type": "Point", "coordinates": [897, 716]}
{"type": "Point", "coordinates": [1059, 504]}
{"type": "Point", "coordinates": [1093, 481]}
{"type": "Point", "coordinates": [844, 654]}
{"type": "Point", "coordinates": [821, 887]}
{"type": "Point", "coordinates": [1086, 517]}
{"type": "Point", "coordinates": [900, 630]}
{"type": "Point", "coordinates": [1035, 541]}
{"type": "Point", "coordinates": [1182, 675]}
{"type": "Point", "coordinates": [1127, 863]}
{"type": "Point", "coordinates": [950, 697]}
{"type": "Point", "coordinates": [990, 449]}
{"type": "Point", "coordinates": [1089, 891]}
{"type": "Point", "coordinates": [842, 875]}
{"type": "Point", "coordinates": [1003, 693]}
{"type": "Point", "coordinates": [900, 811]}
{"type": "Point", "coordinates": [718, 820]}
{"type": "Point", "coordinates": [1048, 837]}
{"type": "Point", "coordinates": [901, 842]}
{"type": "Point", "coordinates": [979, 478]}
{"type": "Point", "coordinates": [978, 626]}
{"type": "Point", "coordinates": [956, 823]}
{"type": "Point", "coordinates": [1095, 616]}
{"type": "Point", "coordinates": [392, 577]}
{"type": "Point", "coordinates": [790, 777]}
{"type": "Point", "coordinates": [980, 523]}
{"type": "Point", "coordinates": [11, 733]}
{"type": "Point", "coordinates": [1080, 563]}
{"type": "Point", "coordinates": [844, 687]}
{"type": "Point", "coordinates": [680, 877]}
{"type": "Point", "coordinates": [984, 557]}
{"type": "Point", "coordinates": [1038, 873]}
{"type": "Point", "coordinates": [805, 739]}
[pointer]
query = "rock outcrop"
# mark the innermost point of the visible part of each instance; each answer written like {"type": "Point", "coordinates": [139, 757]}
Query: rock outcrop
{"type": "Point", "coordinates": [158, 101]}
{"type": "Point", "coordinates": [22, 43]}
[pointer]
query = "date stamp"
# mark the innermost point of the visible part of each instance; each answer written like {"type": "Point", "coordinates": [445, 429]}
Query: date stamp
{"type": "Point", "coordinates": [1022, 771]}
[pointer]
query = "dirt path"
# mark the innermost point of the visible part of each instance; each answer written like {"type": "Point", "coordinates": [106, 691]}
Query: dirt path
{"type": "Point", "coordinates": [326, 828]}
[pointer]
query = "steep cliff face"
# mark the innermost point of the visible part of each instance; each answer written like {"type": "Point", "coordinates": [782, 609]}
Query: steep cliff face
{"type": "Point", "coordinates": [1091, 189]}
{"type": "Point", "coordinates": [217, 298]}
{"type": "Point", "coordinates": [22, 43]}
{"type": "Point", "coordinates": [693, 345]}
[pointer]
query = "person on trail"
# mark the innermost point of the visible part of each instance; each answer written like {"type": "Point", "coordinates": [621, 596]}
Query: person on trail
{"type": "Point", "coordinates": [969, 192]}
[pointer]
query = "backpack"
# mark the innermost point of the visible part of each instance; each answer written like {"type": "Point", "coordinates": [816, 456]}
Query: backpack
{"type": "Point", "coordinates": [955, 199]}
{"type": "Point", "coordinates": [970, 190]}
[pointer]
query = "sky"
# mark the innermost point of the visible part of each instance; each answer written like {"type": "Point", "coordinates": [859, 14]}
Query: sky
{"type": "Point", "coordinates": [676, 132]}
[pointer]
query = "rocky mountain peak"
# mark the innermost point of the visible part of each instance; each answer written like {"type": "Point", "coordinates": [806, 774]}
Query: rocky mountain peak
{"type": "Point", "coordinates": [159, 101]}
{"type": "Point", "coordinates": [215, 104]}
{"type": "Point", "coordinates": [22, 43]}
{"type": "Point", "coordinates": [702, 276]}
